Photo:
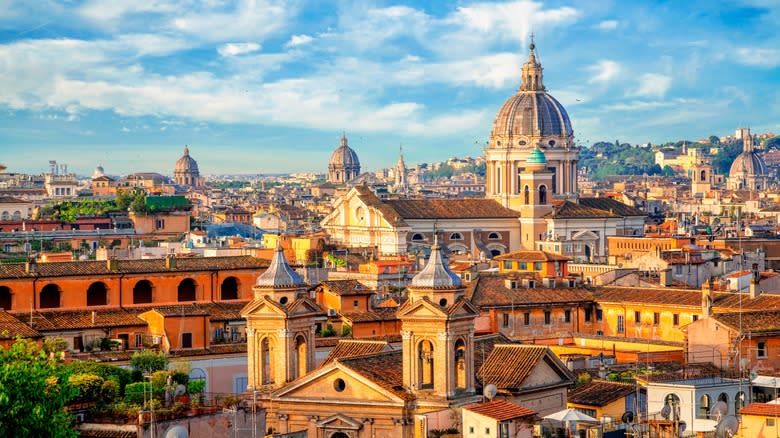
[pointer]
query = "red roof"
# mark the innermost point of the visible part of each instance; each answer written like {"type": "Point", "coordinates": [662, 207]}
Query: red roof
{"type": "Point", "coordinates": [500, 410]}
{"type": "Point", "coordinates": [762, 409]}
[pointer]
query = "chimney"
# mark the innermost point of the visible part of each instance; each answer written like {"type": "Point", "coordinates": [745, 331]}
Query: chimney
{"type": "Point", "coordinates": [666, 277]}
{"type": "Point", "coordinates": [706, 299]}
{"type": "Point", "coordinates": [170, 261]}
{"type": "Point", "coordinates": [112, 264]}
{"type": "Point", "coordinates": [94, 316]}
{"type": "Point", "coordinates": [31, 266]}
{"type": "Point", "coordinates": [755, 289]}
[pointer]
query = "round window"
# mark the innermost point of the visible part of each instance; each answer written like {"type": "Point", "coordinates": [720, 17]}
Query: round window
{"type": "Point", "coordinates": [551, 142]}
{"type": "Point", "coordinates": [339, 385]}
{"type": "Point", "coordinates": [283, 300]}
{"type": "Point", "coordinates": [443, 302]}
{"type": "Point", "coordinates": [522, 142]}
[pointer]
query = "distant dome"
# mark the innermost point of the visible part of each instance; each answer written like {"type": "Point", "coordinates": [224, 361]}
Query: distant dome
{"type": "Point", "coordinates": [344, 164]}
{"type": "Point", "coordinates": [98, 172]}
{"type": "Point", "coordinates": [186, 163]}
{"type": "Point", "coordinates": [186, 173]}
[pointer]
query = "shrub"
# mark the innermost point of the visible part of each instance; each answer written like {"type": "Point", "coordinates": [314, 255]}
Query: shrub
{"type": "Point", "coordinates": [106, 371]}
{"type": "Point", "coordinates": [134, 392]}
{"type": "Point", "coordinates": [110, 390]}
{"type": "Point", "coordinates": [149, 361]}
{"type": "Point", "coordinates": [346, 330]}
{"type": "Point", "coordinates": [196, 386]}
{"type": "Point", "coordinates": [89, 386]}
{"type": "Point", "coordinates": [328, 331]}
{"type": "Point", "coordinates": [54, 345]}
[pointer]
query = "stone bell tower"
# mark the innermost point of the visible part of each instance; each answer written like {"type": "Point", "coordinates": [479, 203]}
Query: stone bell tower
{"type": "Point", "coordinates": [438, 333]}
{"type": "Point", "coordinates": [280, 327]}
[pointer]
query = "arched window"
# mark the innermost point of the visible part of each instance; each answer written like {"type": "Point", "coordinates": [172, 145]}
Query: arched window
{"type": "Point", "coordinates": [425, 365]}
{"type": "Point", "coordinates": [186, 290]}
{"type": "Point", "coordinates": [417, 237]}
{"type": "Point", "coordinates": [526, 195]}
{"type": "Point", "coordinates": [142, 292]}
{"type": "Point", "coordinates": [6, 299]}
{"type": "Point", "coordinates": [301, 358]}
{"type": "Point", "coordinates": [704, 406]}
{"type": "Point", "coordinates": [494, 236]}
{"type": "Point", "coordinates": [97, 294]}
{"type": "Point", "coordinates": [739, 402]}
{"type": "Point", "coordinates": [266, 361]}
{"type": "Point", "coordinates": [5, 216]}
{"type": "Point", "coordinates": [456, 236]}
{"type": "Point", "coordinates": [50, 297]}
{"type": "Point", "coordinates": [703, 175]}
{"type": "Point", "coordinates": [543, 194]}
{"type": "Point", "coordinates": [723, 397]}
{"type": "Point", "coordinates": [229, 288]}
{"type": "Point", "coordinates": [17, 215]}
{"type": "Point", "coordinates": [460, 364]}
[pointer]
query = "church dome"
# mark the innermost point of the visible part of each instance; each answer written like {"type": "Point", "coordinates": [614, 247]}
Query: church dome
{"type": "Point", "coordinates": [186, 163]}
{"type": "Point", "coordinates": [536, 157]}
{"type": "Point", "coordinates": [749, 163]}
{"type": "Point", "coordinates": [531, 114]}
{"type": "Point", "coordinates": [344, 156]}
{"type": "Point", "coordinates": [436, 274]}
{"type": "Point", "coordinates": [279, 273]}
{"type": "Point", "coordinates": [98, 172]}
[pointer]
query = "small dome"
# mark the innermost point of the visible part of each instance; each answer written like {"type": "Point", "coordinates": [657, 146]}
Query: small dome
{"type": "Point", "coordinates": [536, 156]}
{"type": "Point", "coordinates": [436, 274]}
{"type": "Point", "coordinates": [279, 273]}
{"type": "Point", "coordinates": [344, 156]}
{"type": "Point", "coordinates": [186, 163]}
{"type": "Point", "coordinates": [98, 172]}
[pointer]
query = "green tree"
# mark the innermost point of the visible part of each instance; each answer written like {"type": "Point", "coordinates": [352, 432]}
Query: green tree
{"type": "Point", "coordinates": [149, 361]}
{"type": "Point", "coordinates": [772, 143]}
{"type": "Point", "coordinates": [33, 392]}
{"type": "Point", "coordinates": [667, 171]}
{"type": "Point", "coordinates": [714, 139]}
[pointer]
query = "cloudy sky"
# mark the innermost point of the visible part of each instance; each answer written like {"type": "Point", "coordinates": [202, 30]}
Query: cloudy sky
{"type": "Point", "coordinates": [268, 86]}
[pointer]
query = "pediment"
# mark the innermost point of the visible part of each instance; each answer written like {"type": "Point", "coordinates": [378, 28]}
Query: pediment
{"type": "Point", "coordinates": [421, 308]}
{"type": "Point", "coordinates": [262, 306]}
{"type": "Point", "coordinates": [320, 387]}
{"type": "Point", "coordinates": [303, 306]}
{"type": "Point", "coordinates": [340, 421]}
{"type": "Point", "coordinates": [585, 235]}
{"type": "Point", "coordinates": [463, 308]}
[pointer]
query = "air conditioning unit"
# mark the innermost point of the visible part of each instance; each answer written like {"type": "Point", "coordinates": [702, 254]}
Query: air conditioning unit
{"type": "Point", "coordinates": [332, 312]}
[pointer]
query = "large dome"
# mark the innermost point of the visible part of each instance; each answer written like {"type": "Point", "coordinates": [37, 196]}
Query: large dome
{"type": "Point", "coordinates": [186, 163]}
{"type": "Point", "coordinates": [344, 156]}
{"type": "Point", "coordinates": [532, 116]}
{"type": "Point", "coordinates": [749, 163]}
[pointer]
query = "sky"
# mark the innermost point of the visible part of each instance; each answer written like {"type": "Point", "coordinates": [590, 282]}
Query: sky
{"type": "Point", "coordinates": [268, 86]}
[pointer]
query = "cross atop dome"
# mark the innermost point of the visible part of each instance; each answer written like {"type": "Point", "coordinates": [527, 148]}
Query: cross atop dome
{"type": "Point", "coordinates": [532, 71]}
{"type": "Point", "coordinates": [343, 138]}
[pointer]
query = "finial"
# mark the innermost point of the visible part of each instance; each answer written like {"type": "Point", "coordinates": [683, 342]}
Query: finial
{"type": "Point", "coordinates": [532, 46]}
{"type": "Point", "coordinates": [343, 138]}
{"type": "Point", "coordinates": [186, 150]}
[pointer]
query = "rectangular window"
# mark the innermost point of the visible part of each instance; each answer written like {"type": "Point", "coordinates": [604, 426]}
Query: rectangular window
{"type": "Point", "coordinates": [567, 315]}
{"type": "Point", "coordinates": [526, 318]}
{"type": "Point", "coordinates": [676, 319]}
{"type": "Point", "coordinates": [761, 349]}
{"type": "Point", "coordinates": [547, 317]}
{"type": "Point", "coordinates": [656, 318]}
{"type": "Point", "coordinates": [637, 316]}
{"type": "Point", "coordinates": [770, 422]}
{"type": "Point", "coordinates": [538, 266]}
{"type": "Point", "coordinates": [522, 266]}
{"type": "Point", "coordinates": [471, 429]}
{"type": "Point", "coordinates": [160, 224]}
{"type": "Point", "coordinates": [507, 264]}
{"type": "Point", "coordinates": [487, 431]}
{"type": "Point", "coordinates": [139, 340]}
{"type": "Point", "coordinates": [621, 326]}
{"type": "Point", "coordinates": [695, 318]}
{"type": "Point", "coordinates": [186, 340]}
{"type": "Point", "coordinates": [506, 320]}
{"type": "Point", "coordinates": [503, 430]}
{"type": "Point", "coordinates": [599, 315]}
{"type": "Point", "coordinates": [588, 314]}
{"type": "Point", "coordinates": [355, 303]}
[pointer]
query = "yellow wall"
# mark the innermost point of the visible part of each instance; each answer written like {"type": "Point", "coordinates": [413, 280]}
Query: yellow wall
{"type": "Point", "coordinates": [665, 329]}
{"type": "Point", "coordinates": [755, 426]}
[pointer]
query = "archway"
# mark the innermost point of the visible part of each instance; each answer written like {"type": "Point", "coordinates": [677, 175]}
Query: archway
{"type": "Point", "coordinates": [425, 365]}
{"type": "Point", "coordinates": [187, 290]}
{"type": "Point", "coordinates": [301, 359]}
{"type": "Point", "coordinates": [460, 364]}
{"type": "Point", "coordinates": [142, 292]}
{"type": "Point", "coordinates": [6, 299]}
{"type": "Point", "coordinates": [339, 435]}
{"type": "Point", "coordinates": [542, 194]}
{"type": "Point", "coordinates": [704, 406]}
{"type": "Point", "coordinates": [50, 297]}
{"type": "Point", "coordinates": [97, 294]}
{"type": "Point", "coordinates": [229, 289]}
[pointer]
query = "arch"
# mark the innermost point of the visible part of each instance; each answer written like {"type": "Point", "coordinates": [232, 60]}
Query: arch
{"type": "Point", "coordinates": [460, 364]}
{"type": "Point", "coordinates": [97, 294]}
{"type": "Point", "coordinates": [338, 435]}
{"type": "Point", "coordinates": [266, 361]}
{"type": "Point", "coordinates": [186, 290]}
{"type": "Point", "coordinates": [456, 236]}
{"type": "Point", "coordinates": [50, 297]}
{"type": "Point", "coordinates": [458, 248]}
{"type": "Point", "coordinates": [723, 397]}
{"type": "Point", "coordinates": [229, 289]}
{"type": "Point", "coordinates": [542, 194]}
{"type": "Point", "coordinates": [494, 236]}
{"type": "Point", "coordinates": [703, 175]}
{"type": "Point", "coordinates": [704, 406]}
{"type": "Point", "coordinates": [301, 357]}
{"type": "Point", "coordinates": [142, 292]}
{"type": "Point", "coordinates": [6, 298]}
{"type": "Point", "coordinates": [526, 195]}
{"type": "Point", "coordinates": [425, 365]}
{"type": "Point", "coordinates": [417, 237]}
{"type": "Point", "coordinates": [17, 215]}
{"type": "Point", "coordinates": [739, 402]}
{"type": "Point", "coordinates": [5, 216]}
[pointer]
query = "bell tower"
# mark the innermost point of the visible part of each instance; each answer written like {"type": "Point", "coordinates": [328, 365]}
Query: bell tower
{"type": "Point", "coordinates": [280, 326]}
{"type": "Point", "coordinates": [438, 333]}
{"type": "Point", "coordinates": [535, 183]}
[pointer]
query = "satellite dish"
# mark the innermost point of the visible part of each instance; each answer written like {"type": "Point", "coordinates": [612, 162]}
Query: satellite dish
{"type": "Point", "coordinates": [727, 427]}
{"type": "Point", "coordinates": [628, 417]}
{"type": "Point", "coordinates": [490, 391]}
{"type": "Point", "coordinates": [666, 412]}
{"type": "Point", "coordinates": [719, 410]}
{"type": "Point", "coordinates": [179, 390]}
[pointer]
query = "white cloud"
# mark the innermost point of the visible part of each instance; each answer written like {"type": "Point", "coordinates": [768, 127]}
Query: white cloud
{"type": "Point", "coordinates": [249, 20]}
{"type": "Point", "coordinates": [299, 40]}
{"type": "Point", "coordinates": [604, 70]}
{"type": "Point", "coordinates": [652, 85]}
{"type": "Point", "coordinates": [608, 25]}
{"type": "Point", "coordinates": [233, 49]}
{"type": "Point", "coordinates": [758, 57]}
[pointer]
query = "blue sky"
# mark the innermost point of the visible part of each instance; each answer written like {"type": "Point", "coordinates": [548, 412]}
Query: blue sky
{"type": "Point", "coordinates": [268, 86]}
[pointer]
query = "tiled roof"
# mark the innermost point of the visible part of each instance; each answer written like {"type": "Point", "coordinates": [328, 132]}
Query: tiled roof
{"type": "Point", "coordinates": [753, 322]}
{"type": "Point", "coordinates": [609, 204]}
{"type": "Point", "coordinates": [388, 213]}
{"type": "Point", "coordinates": [500, 410]}
{"type": "Point", "coordinates": [599, 393]}
{"type": "Point", "coordinates": [531, 256]}
{"type": "Point", "coordinates": [11, 327]}
{"type": "Point", "coordinates": [450, 209]}
{"type": "Point", "coordinates": [762, 409]}
{"type": "Point", "coordinates": [484, 345]}
{"type": "Point", "coordinates": [570, 210]}
{"type": "Point", "coordinates": [722, 302]}
{"type": "Point", "coordinates": [489, 290]}
{"type": "Point", "coordinates": [79, 319]}
{"type": "Point", "coordinates": [346, 287]}
{"type": "Point", "coordinates": [385, 369]}
{"type": "Point", "coordinates": [378, 315]}
{"type": "Point", "coordinates": [508, 366]}
{"type": "Point", "coordinates": [353, 347]}
{"type": "Point", "coordinates": [11, 200]}
{"type": "Point", "coordinates": [92, 268]}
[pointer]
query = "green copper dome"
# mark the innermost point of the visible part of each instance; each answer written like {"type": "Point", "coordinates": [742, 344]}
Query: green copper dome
{"type": "Point", "coordinates": [536, 156]}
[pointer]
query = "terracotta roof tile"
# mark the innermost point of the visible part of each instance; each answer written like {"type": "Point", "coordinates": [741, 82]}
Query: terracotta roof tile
{"type": "Point", "coordinates": [450, 209]}
{"type": "Point", "coordinates": [531, 256]}
{"type": "Point", "coordinates": [570, 210]}
{"type": "Point", "coordinates": [489, 290]}
{"type": "Point", "coordinates": [500, 410]}
{"type": "Point", "coordinates": [11, 327]}
{"type": "Point", "coordinates": [722, 302]}
{"type": "Point", "coordinates": [608, 204]}
{"type": "Point", "coordinates": [345, 287]}
{"type": "Point", "coordinates": [484, 345]}
{"type": "Point", "coordinates": [385, 369]}
{"type": "Point", "coordinates": [79, 319]}
{"type": "Point", "coordinates": [508, 366]}
{"type": "Point", "coordinates": [600, 393]}
{"type": "Point", "coordinates": [754, 322]}
{"type": "Point", "coordinates": [761, 409]}
{"type": "Point", "coordinates": [378, 315]}
{"type": "Point", "coordinates": [353, 347]}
